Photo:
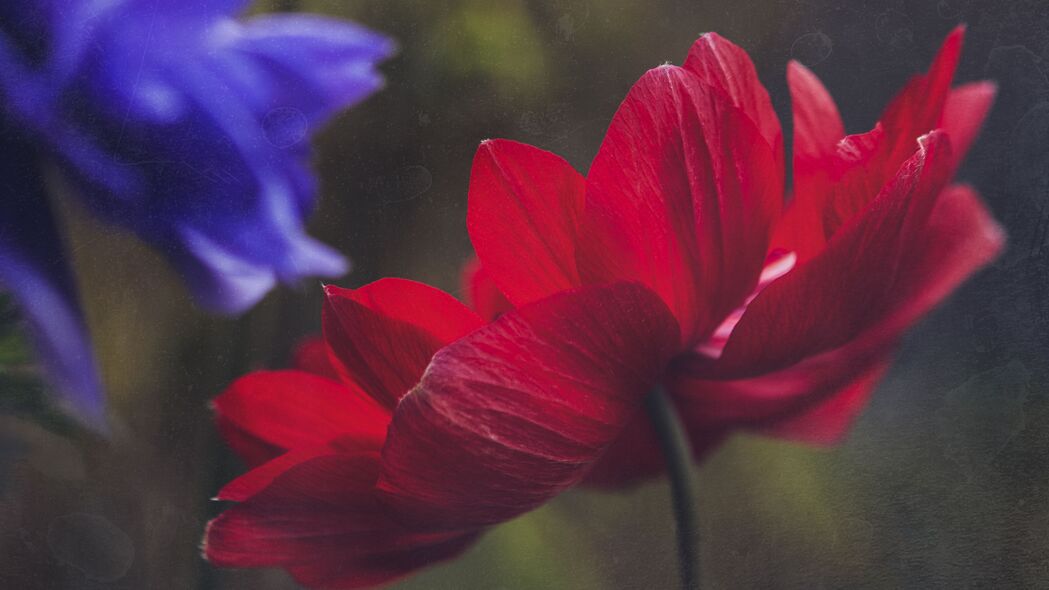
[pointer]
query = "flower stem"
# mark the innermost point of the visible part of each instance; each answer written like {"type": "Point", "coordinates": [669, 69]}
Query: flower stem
{"type": "Point", "coordinates": [678, 456]}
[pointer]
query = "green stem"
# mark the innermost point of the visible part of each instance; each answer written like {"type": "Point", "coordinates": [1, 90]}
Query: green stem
{"type": "Point", "coordinates": [678, 456]}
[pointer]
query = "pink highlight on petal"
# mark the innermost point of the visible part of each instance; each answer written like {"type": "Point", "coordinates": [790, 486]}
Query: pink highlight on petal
{"type": "Point", "coordinates": [778, 263]}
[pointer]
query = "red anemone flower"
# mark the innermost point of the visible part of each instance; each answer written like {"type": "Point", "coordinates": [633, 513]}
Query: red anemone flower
{"type": "Point", "coordinates": [789, 314]}
{"type": "Point", "coordinates": [416, 424]}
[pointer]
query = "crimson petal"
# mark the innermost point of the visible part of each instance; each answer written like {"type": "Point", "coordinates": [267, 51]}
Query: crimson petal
{"type": "Point", "coordinates": [727, 67]}
{"type": "Point", "coordinates": [636, 456]}
{"type": "Point", "coordinates": [963, 114]}
{"type": "Point", "coordinates": [260, 477]}
{"type": "Point", "coordinates": [294, 409]}
{"type": "Point", "coordinates": [825, 421]}
{"type": "Point", "coordinates": [322, 521]}
{"type": "Point", "coordinates": [517, 412]}
{"type": "Point", "coordinates": [524, 206]}
{"type": "Point", "coordinates": [481, 292]}
{"type": "Point", "coordinates": [830, 189]}
{"type": "Point", "coordinates": [851, 285]}
{"type": "Point", "coordinates": [681, 197]}
{"type": "Point", "coordinates": [917, 109]}
{"type": "Point", "coordinates": [812, 401]}
{"type": "Point", "coordinates": [817, 130]}
{"type": "Point", "coordinates": [817, 123]}
{"type": "Point", "coordinates": [384, 334]}
{"type": "Point", "coordinates": [312, 355]}
{"type": "Point", "coordinates": [251, 449]}
{"type": "Point", "coordinates": [815, 399]}
{"type": "Point", "coordinates": [961, 237]}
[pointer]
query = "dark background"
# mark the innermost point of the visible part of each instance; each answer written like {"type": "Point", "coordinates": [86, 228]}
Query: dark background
{"type": "Point", "coordinates": [943, 482]}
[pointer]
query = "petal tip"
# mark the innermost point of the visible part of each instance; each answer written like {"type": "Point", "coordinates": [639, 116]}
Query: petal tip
{"type": "Point", "coordinates": [205, 548]}
{"type": "Point", "coordinates": [796, 68]}
{"type": "Point", "coordinates": [331, 291]}
{"type": "Point", "coordinates": [956, 38]}
{"type": "Point", "coordinates": [997, 237]}
{"type": "Point", "coordinates": [710, 37]}
{"type": "Point", "coordinates": [931, 139]}
{"type": "Point", "coordinates": [988, 86]}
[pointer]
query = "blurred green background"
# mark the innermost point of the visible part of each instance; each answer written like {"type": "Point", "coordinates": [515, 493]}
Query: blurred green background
{"type": "Point", "coordinates": [944, 482]}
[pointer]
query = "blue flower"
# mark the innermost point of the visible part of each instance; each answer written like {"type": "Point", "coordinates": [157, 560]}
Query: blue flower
{"type": "Point", "coordinates": [175, 121]}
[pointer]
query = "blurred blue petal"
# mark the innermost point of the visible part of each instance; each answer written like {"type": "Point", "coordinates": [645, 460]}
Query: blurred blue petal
{"type": "Point", "coordinates": [189, 127]}
{"type": "Point", "coordinates": [33, 270]}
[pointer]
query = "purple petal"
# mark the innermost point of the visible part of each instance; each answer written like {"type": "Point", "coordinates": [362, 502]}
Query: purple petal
{"type": "Point", "coordinates": [192, 130]}
{"type": "Point", "coordinates": [33, 269]}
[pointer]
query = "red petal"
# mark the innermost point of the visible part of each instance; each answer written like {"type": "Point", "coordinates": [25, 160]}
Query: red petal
{"type": "Point", "coordinates": [681, 196]}
{"type": "Point", "coordinates": [832, 189]}
{"type": "Point", "coordinates": [321, 520]}
{"type": "Point", "coordinates": [523, 209]}
{"type": "Point", "coordinates": [917, 109]}
{"type": "Point", "coordinates": [295, 409]}
{"type": "Point", "coordinates": [817, 131]}
{"type": "Point", "coordinates": [963, 114]}
{"type": "Point", "coordinates": [857, 177]}
{"type": "Point", "coordinates": [312, 355]}
{"type": "Point", "coordinates": [817, 124]}
{"type": "Point", "coordinates": [636, 455]}
{"type": "Point", "coordinates": [727, 67]}
{"type": "Point", "coordinates": [961, 237]}
{"type": "Point", "coordinates": [518, 411]}
{"type": "Point", "coordinates": [816, 398]}
{"type": "Point", "coordinates": [259, 478]}
{"type": "Point", "coordinates": [827, 421]}
{"type": "Point", "coordinates": [814, 401]}
{"type": "Point", "coordinates": [384, 334]}
{"type": "Point", "coordinates": [252, 450]}
{"type": "Point", "coordinates": [826, 302]}
{"type": "Point", "coordinates": [321, 497]}
{"type": "Point", "coordinates": [481, 293]}
{"type": "Point", "coordinates": [914, 112]}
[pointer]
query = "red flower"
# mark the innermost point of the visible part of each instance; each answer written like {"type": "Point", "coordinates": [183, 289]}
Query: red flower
{"type": "Point", "coordinates": [788, 318]}
{"type": "Point", "coordinates": [671, 263]}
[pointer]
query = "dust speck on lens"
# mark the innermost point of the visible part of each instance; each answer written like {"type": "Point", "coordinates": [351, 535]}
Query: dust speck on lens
{"type": "Point", "coordinates": [811, 48]}
{"type": "Point", "coordinates": [91, 544]}
{"type": "Point", "coordinates": [285, 126]}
